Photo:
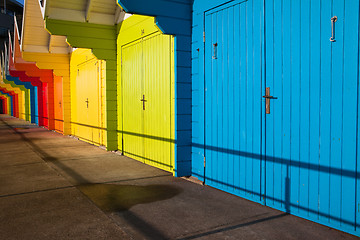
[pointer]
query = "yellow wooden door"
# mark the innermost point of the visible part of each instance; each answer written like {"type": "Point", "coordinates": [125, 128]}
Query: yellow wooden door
{"type": "Point", "coordinates": [82, 103]}
{"type": "Point", "coordinates": [133, 114]}
{"type": "Point", "coordinates": [88, 97]}
{"type": "Point", "coordinates": [88, 101]}
{"type": "Point", "coordinates": [157, 88]}
{"type": "Point", "coordinates": [92, 101]}
{"type": "Point", "coordinates": [148, 101]}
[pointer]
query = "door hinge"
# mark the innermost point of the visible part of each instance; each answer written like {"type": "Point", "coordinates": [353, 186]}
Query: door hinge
{"type": "Point", "coordinates": [204, 36]}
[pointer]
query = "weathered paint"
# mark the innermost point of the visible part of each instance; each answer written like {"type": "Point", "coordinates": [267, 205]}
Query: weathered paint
{"type": "Point", "coordinates": [302, 157]}
{"type": "Point", "coordinates": [102, 40]}
{"type": "Point", "coordinates": [145, 69]}
{"type": "Point", "coordinates": [87, 75]}
{"type": "Point", "coordinates": [174, 18]}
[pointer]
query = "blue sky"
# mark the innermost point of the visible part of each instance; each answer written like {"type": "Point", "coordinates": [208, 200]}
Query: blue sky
{"type": "Point", "coordinates": [21, 1]}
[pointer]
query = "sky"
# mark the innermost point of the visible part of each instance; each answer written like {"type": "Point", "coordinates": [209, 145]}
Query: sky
{"type": "Point", "coordinates": [21, 1]}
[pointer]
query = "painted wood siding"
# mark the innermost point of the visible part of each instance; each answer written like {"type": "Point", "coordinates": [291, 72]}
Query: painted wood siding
{"type": "Point", "coordinates": [311, 134]}
{"type": "Point", "coordinates": [102, 40]}
{"type": "Point", "coordinates": [300, 158]}
{"type": "Point", "coordinates": [233, 99]}
{"type": "Point", "coordinates": [88, 104]}
{"type": "Point", "coordinates": [146, 70]}
{"type": "Point", "coordinates": [60, 64]}
{"type": "Point", "coordinates": [58, 104]}
{"type": "Point", "coordinates": [33, 96]}
{"type": "Point", "coordinates": [174, 18]}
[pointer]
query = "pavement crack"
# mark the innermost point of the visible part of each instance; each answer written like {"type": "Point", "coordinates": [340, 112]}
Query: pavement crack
{"type": "Point", "coordinates": [37, 191]}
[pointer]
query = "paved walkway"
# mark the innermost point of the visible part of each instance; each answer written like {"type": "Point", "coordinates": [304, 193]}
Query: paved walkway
{"type": "Point", "coordinates": [56, 187]}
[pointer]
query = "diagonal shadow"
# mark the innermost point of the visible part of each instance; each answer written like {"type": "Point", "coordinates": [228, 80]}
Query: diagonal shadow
{"type": "Point", "coordinates": [234, 227]}
{"type": "Point", "coordinates": [113, 197]}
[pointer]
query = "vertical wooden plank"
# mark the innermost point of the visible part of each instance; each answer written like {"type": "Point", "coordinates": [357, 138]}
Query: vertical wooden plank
{"type": "Point", "coordinates": [336, 114]}
{"type": "Point", "coordinates": [221, 78]}
{"type": "Point", "coordinates": [314, 107]}
{"type": "Point", "coordinates": [258, 9]}
{"type": "Point", "coordinates": [357, 185]}
{"type": "Point", "coordinates": [349, 118]}
{"type": "Point", "coordinates": [236, 95]}
{"type": "Point", "coordinates": [27, 102]}
{"type": "Point", "coordinates": [40, 95]}
{"type": "Point", "coordinates": [36, 106]}
{"type": "Point", "coordinates": [295, 92]}
{"type": "Point", "coordinates": [215, 156]}
{"type": "Point", "coordinates": [132, 91]}
{"type": "Point", "coordinates": [286, 103]}
{"type": "Point", "coordinates": [325, 117]}
{"type": "Point", "coordinates": [269, 133]}
{"type": "Point", "coordinates": [224, 83]}
{"type": "Point", "coordinates": [277, 103]}
{"type": "Point", "coordinates": [231, 99]}
{"type": "Point", "coordinates": [45, 112]}
{"type": "Point", "coordinates": [357, 190]}
{"type": "Point", "coordinates": [103, 104]}
{"type": "Point", "coordinates": [58, 104]}
{"type": "Point", "coordinates": [50, 104]}
{"type": "Point", "coordinates": [304, 106]}
{"type": "Point", "coordinates": [220, 50]}
{"type": "Point", "coordinates": [208, 99]}
{"type": "Point", "coordinates": [199, 121]}
{"type": "Point", "coordinates": [250, 102]}
{"type": "Point", "coordinates": [244, 162]}
{"type": "Point", "coordinates": [157, 115]}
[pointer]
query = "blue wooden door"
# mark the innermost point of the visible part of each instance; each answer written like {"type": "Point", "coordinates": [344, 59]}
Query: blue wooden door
{"type": "Point", "coordinates": [233, 103]}
{"type": "Point", "coordinates": [311, 131]}
{"type": "Point", "coordinates": [302, 156]}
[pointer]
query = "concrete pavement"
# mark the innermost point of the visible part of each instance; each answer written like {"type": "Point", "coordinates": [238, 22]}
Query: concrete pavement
{"type": "Point", "coordinates": [57, 187]}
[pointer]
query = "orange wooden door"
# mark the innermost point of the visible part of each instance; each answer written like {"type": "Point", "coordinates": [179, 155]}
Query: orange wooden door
{"type": "Point", "coordinates": [58, 104]}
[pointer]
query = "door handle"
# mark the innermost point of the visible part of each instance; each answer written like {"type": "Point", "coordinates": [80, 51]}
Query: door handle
{"type": "Point", "coordinates": [268, 97]}
{"type": "Point", "coordinates": [333, 21]}
{"type": "Point", "coordinates": [214, 46]}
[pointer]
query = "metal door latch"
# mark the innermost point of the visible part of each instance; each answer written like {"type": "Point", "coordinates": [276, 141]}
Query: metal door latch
{"type": "Point", "coordinates": [143, 100]}
{"type": "Point", "coordinates": [214, 45]}
{"type": "Point", "coordinates": [87, 103]}
{"type": "Point", "coordinates": [268, 97]}
{"type": "Point", "coordinates": [333, 20]}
